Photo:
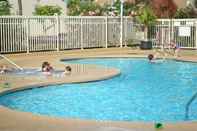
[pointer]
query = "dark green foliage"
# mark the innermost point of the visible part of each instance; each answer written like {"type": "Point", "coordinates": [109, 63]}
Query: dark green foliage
{"type": "Point", "coordinates": [48, 10]}
{"type": "Point", "coordinates": [195, 3]}
{"type": "Point", "coordinates": [4, 7]}
{"type": "Point", "coordinates": [147, 17]}
{"type": "Point", "coordinates": [74, 7]}
{"type": "Point", "coordinates": [188, 12]}
{"type": "Point", "coordinates": [158, 125]}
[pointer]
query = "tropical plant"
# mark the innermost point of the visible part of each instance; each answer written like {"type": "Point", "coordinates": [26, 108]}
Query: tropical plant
{"type": "Point", "coordinates": [146, 18]}
{"type": "Point", "coordinates": [4, 7]}
{"type": "Point", "coordinates": [48, 10]}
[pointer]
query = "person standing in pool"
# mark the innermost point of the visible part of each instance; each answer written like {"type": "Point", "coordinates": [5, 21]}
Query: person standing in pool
{"type": "Point", "coordinates": [3, 69]}
{"type": "Point", "coordinates": [151, 58]}
{"type": "Point", "coordinates": [175, 48]}
{"type": "Point", "coordinates": [67, 70]}
{"type": "Point", "coordinates": [47, 68]}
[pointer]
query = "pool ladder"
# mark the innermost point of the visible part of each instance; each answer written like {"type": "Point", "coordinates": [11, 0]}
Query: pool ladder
{"type": "Point", "coordinates": [188, 105]}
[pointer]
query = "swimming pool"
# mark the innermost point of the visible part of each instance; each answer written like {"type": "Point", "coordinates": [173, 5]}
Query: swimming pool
{"type": "Point", "coordinates": [143, 92]}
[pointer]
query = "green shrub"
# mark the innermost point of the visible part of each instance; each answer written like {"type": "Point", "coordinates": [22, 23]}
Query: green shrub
{"type": "Point", "coordinates": [188, 12]}
{"type": "Point", "coordinates": [48, 10]}
{"type": "Point", "coordinates": [4, 7]}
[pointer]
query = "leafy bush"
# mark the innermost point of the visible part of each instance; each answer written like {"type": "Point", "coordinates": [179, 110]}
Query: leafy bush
{"type": "Point", "coordinates": [74, 7]}
{"type": "Point", "coordinates": [4, 7]}
{"type": "Point", "coordinates": [78, 7]}
{"type": "Point", "coordinates": [90, 8]}
{"type": "Point", "coordinates": [188, 12]}
{"type": "Point", "coordinates": [115, 8]}
{"type": "Point", "coordinates": [48, 10]}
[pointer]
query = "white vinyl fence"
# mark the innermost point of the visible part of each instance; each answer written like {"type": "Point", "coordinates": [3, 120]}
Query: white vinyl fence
{"type": "Point", "coordinates": [43, 33]}
{"type": "Point", "coordinates": [181, 31]}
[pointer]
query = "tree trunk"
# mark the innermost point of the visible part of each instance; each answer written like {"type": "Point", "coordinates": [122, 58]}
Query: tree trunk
{"type": "Point", "coordinates": [20, 7]}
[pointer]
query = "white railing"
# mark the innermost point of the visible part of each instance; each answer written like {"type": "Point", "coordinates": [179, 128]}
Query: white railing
{"type": "Point", "coordinates": [42, 33]}
{"type": "Point", "coordinates": [27, 34]}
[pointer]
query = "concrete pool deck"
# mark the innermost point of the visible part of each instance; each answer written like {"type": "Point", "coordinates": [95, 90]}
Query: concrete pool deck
{"type": "Point", "coordinates": [11, 120]}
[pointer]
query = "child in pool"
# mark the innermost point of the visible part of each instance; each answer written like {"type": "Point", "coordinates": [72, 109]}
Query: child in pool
{"type": "Point", "coordinates": [152, 59]}
{"type": "Point", "coordinates": [67, 70]}
{"type": "Point", "coordinates": [47, 68]}
{"type": "Point", "coordinates": [175, 47]}
{"type": "Point", "coordinates": [3, 69]}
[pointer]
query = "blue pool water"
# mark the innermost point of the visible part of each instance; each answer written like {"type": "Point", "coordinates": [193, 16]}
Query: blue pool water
{"type": "Point", "coordinates": [143, 92]}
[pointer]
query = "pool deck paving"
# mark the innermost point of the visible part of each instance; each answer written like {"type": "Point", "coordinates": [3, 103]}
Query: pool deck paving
{"type": "Point", "coordinates": [11, 120]}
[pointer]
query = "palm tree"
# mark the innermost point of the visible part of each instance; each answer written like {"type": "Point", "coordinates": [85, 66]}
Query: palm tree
{"type": "Point", "coordinates": [147, 18]}
{"type": "Point", "coordinates": [20, 7]}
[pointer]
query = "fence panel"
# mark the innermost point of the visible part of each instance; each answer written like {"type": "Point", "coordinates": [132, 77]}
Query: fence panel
{"type": "Point", "coordinates": [42, 33]}
{"type": "Point", "coordinates": [113, 31]}
{"type": "Point", "coordinates": [184, 32]}
{"type": "Point", "coordinates": [180, 31]}
{"type": "Point", "coordinates": [12, 34]}
{"type": "Point", "coordinates": [127, 30]}
{"type": "Point", "coordinates": [94, 32]}
{"type": "Point", "coordinates": [70, 33]}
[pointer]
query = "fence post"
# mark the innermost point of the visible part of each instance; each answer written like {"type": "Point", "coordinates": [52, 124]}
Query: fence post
{"type": "Point", "coordinates": [81, 33]}
{"type": "Point", "coordinates": [121, 30]}
{"type": "Point", "coordinates": [27, 28]}
{"type": "Point", "coordinates": [106, 32]}
{"type": "Point", "coordinates": [169, 28]}
{"type": "Point", "coordinates": [162, 34]}
{"type": "Point", "coordinates": [58, 32]}
{"type": "Point", "coordinates": [172, 30]}
{"type": "Point", "coordinates": [196, 34]}
{"type": "Point", "coordinates": [125, 31]}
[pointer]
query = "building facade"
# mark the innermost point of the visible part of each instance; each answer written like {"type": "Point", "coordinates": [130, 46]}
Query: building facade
{"type": "Point", "coordinates": [181, 3]}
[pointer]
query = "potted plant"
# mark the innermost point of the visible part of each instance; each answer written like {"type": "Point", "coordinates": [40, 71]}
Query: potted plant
{"type": "Point", "coordinates": [146, 18]}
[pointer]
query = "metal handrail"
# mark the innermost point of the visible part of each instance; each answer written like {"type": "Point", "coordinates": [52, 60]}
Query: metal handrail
{"type": "Point", "coordinates": [11, 62]}
{"type": "Point", "coordinates": [188, 105]}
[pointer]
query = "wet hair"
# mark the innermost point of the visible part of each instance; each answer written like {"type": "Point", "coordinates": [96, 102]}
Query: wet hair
{"type": "Point", "coordinates": [150, 56]}
{"type": "Point", "coordinates": [68, 68]}
{"type": "Point", "coordinates": [44, 64]}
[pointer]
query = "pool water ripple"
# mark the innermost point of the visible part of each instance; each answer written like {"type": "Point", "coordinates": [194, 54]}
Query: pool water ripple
{"type": "Point", "coordinates": [143, 92]}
